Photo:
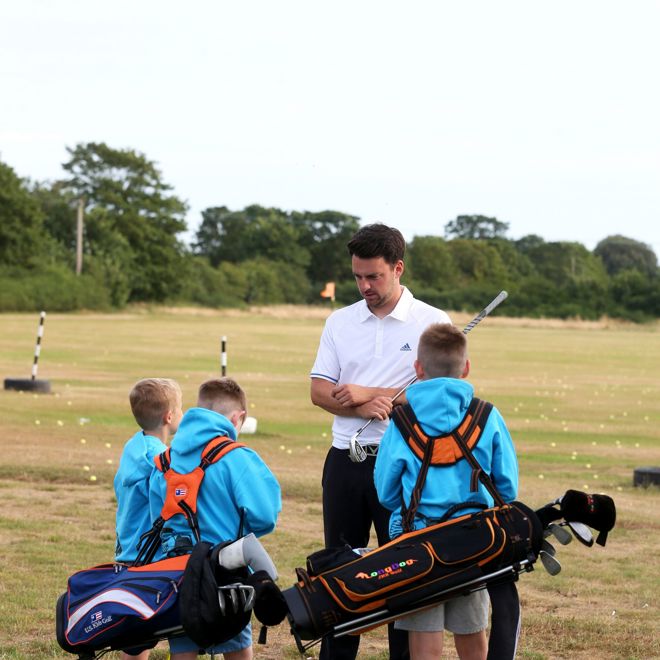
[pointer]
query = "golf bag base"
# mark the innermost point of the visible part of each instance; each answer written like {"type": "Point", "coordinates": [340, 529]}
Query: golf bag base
{"type": "Point", "coordinates": [413, 572]}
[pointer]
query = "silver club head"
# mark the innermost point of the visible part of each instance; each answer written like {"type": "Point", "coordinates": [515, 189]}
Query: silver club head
{"type": "Point", "coordinates": [228, 595]}
{"type": "Point", "coordinates": [247, 595]}
{"type": "Point", "coordinates": [582, 533]}
{"type": "Point", "coordinates": [355, 450]}
{"type": "Point", "coordinates": [563, 536]}
{"type": "Point", "coordinates": [548, 547]}
{"type": "Point", "coordinates": [550, 563]}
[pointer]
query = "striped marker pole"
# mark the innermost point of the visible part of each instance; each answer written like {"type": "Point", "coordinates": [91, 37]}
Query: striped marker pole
{"type": "Point", "coordinates": [223, 356]}
{"type": "Point", "coordinates": [37, 348]}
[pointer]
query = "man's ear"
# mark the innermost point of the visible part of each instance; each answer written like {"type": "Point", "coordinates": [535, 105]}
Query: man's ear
{"type": "Point", "coordinates": [168, 416]}
{"type": "Point", "coordinates": [466, 370]}
{"type": "Point", "coordinates": [399, 268]}
{"type": "Point", "coordinates": [419, 370]}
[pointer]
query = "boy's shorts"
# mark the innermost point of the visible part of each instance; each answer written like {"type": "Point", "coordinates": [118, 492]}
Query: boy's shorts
{"type": "Point", "coordinates": [242, 641]}
{"type": "Point", "coordinates": [462, 616]}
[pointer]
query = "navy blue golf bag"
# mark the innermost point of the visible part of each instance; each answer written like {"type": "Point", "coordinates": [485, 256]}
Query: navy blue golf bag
{"type": "Point", "coordinates": [113, 606]}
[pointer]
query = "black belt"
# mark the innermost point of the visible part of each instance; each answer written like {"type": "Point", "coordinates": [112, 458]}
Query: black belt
{"type": "Point", "coordinates": [370, 450]}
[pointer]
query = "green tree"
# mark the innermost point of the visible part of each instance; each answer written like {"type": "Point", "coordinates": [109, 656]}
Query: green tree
{"type": "Point", "coordinates": [325, 234]}
{"type": "Point", "coordinates": [477, 262]}
{"type": "Point", "coordinates": [126, 198]}
{"type": "Point", "coordinates": [575, 281]}
{"type": "Point", "coordinates": [620, 253]}
{"type": "Point", "coordinates": [22, 240]}
{"type": "Point", "coordinates": [476, 227]}
{"type": "Point", "coordinates": [256, 231]}
{"type": "Point", "coordinates": [430, 263]}
{"type": "Point", "coordinates": [528, 243]}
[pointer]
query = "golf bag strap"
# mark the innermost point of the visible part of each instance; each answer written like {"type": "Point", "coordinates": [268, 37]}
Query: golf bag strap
{"type": "Point", "coordinates": [477, 471]}
{"type": "Point", "coordinates": [183, 489]}
{"type": "Point", "coordinates": [453, 446]}
{"type": "Point", "coordinates": [181, 493]}
{"type": "Point", "coordinates": [446, 451]}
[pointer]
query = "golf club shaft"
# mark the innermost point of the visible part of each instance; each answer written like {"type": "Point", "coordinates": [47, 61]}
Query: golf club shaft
{"type": "Point", "coordinates": [500, 297]}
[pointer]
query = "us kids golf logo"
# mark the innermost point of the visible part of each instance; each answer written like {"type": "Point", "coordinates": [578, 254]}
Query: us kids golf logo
{"type": "Point", "coordinates": [97, 620]}
{"type": "Point", "coordinates": [387, 571]}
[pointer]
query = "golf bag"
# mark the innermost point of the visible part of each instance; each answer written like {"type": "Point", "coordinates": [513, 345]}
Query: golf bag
{"type": "Point", "coordinates": [114, 606]}
{"type": "Point", "coordinates": [341, 592]}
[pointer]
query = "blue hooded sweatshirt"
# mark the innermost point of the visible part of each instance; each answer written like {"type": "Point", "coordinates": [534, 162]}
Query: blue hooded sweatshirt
{"type": "Point", "coordinates": [239, 486]}
{"type": "Point", "coordinates": [132, 491]}
{"type": "Point", "coordinates": [440, 405]}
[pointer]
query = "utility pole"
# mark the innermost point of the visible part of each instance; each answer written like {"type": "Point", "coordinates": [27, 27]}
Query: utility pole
{"type": "Point", "coordinates": [79, 237]}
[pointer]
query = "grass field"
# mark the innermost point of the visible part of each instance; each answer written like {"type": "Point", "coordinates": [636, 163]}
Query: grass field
{"type": "Point", "coordinates": [582, 402]}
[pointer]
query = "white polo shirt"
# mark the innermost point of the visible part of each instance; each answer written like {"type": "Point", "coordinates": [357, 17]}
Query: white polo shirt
{"type": "Point", "coordinates": [358, 347]}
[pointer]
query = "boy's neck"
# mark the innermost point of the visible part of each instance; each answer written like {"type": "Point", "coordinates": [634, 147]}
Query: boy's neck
{"type": "Point", "coordinates": [161, 433]}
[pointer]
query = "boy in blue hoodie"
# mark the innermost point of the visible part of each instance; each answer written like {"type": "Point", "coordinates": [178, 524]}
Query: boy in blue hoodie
{"type": "Point", "coordinates": [156, 406]}
{"type": "Point", "coordinates": [440, 400]}
{"type": "Point", "coordinates": [239, 493]}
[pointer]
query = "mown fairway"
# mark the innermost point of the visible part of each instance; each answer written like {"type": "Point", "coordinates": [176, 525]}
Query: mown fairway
{"type": "Point", "coordinates": [582, 403]}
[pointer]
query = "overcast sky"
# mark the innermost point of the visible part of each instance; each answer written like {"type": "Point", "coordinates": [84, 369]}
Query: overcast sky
{"type": "Point", "coordinates": [543, 115]}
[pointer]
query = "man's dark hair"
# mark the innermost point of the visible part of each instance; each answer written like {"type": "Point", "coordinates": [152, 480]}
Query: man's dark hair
{"type": "Point", "coordinates": [378, 240]}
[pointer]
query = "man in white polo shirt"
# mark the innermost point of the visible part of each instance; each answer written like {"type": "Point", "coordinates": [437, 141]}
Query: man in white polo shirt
{"type": "Point", "coordinates": [365, 357]}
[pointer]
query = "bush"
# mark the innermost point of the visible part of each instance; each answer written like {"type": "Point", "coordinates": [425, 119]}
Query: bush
{"type": "Point", "coordinates": [212, 287]}
{"type": "Point", "coordinates": [54, 288]}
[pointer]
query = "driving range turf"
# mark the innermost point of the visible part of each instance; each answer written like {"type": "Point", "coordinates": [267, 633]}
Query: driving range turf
{"type": "Point", "coordinates": [582, 401]}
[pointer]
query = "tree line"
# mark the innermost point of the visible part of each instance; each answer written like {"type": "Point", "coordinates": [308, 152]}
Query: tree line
{"type": "Point", "coordinates": [132, 252]}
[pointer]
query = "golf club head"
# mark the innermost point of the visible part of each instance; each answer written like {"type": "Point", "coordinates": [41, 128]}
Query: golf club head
{"type": "Point", "coordinates": [550, 563]}
{"type": "Point", "coordinates": [230, 592]}
{"type": "Point", "coordinates": [563, 536]}
{"type": "Point", "coordinates": [247, 595]}
{"type": "Point", "coordinates": [548, 547]}
{"type": "Point", "coordinates": [582, 533]}
{"type": "Point", "coordinates": [355, 451]}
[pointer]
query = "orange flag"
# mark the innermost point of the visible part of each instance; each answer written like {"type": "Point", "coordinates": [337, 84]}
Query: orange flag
{"type": "Point", "coordinates": [329, 291]}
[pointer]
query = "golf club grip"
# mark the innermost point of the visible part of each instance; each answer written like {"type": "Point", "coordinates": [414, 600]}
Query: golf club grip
{"type": "Point", "coordinates": [500, 297]}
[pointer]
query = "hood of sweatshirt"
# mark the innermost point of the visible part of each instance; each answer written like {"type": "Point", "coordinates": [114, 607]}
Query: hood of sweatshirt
{"type": "Point", "coordinates": [440, 402]}
{"type": "Point", "coordinates": [136, 462]}
{"type": "Point", "coordinates": [197, 427]}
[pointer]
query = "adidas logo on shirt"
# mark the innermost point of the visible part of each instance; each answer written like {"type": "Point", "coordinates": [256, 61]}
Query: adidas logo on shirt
{"type": "Point", "coordinates": [406, 347]}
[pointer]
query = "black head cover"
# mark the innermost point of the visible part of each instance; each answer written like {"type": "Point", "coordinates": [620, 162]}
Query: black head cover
{"type": "Point", "coordinates": [548, 514]}
{"type": "Point", "coordinates": [201, 616]}
{"type": "Point", "coordinates": [270, 608]}
{"type": "Point", "coordinates": [596, 511]}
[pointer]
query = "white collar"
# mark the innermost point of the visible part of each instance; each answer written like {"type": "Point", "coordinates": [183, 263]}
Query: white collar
{"type": "Point", "coordinates": [400, 312]}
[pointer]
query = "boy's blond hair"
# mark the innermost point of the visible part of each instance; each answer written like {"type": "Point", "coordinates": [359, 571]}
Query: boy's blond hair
{"type": "Point", "coordinates": [442, 351]}
{"type": "Point", "coordinates": [151, 399]}
{"type": "Point", "coordinates": [222, 395]}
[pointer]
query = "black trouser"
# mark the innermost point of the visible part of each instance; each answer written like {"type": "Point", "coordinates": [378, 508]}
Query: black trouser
{"type": "Point", "coordinates": [504, 621]}
{"type": "Point", "coordinates": [350, 507]}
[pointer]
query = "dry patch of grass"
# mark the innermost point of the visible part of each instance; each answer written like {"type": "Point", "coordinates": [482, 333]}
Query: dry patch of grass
{"type": "Point", "coordinates": [574, 395]}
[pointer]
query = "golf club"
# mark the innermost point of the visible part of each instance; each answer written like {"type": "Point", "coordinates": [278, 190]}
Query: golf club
{"type": "Point", "coordinates": [355, 450]}
{"type": "Point", "coordinates": [559, 533]}
{"type": "Point", "coordinates": [548, 547]}
{"type": "Point", "coordinates": [581, 532]}
{"type": "Point", "coordinates": [550, 563]}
